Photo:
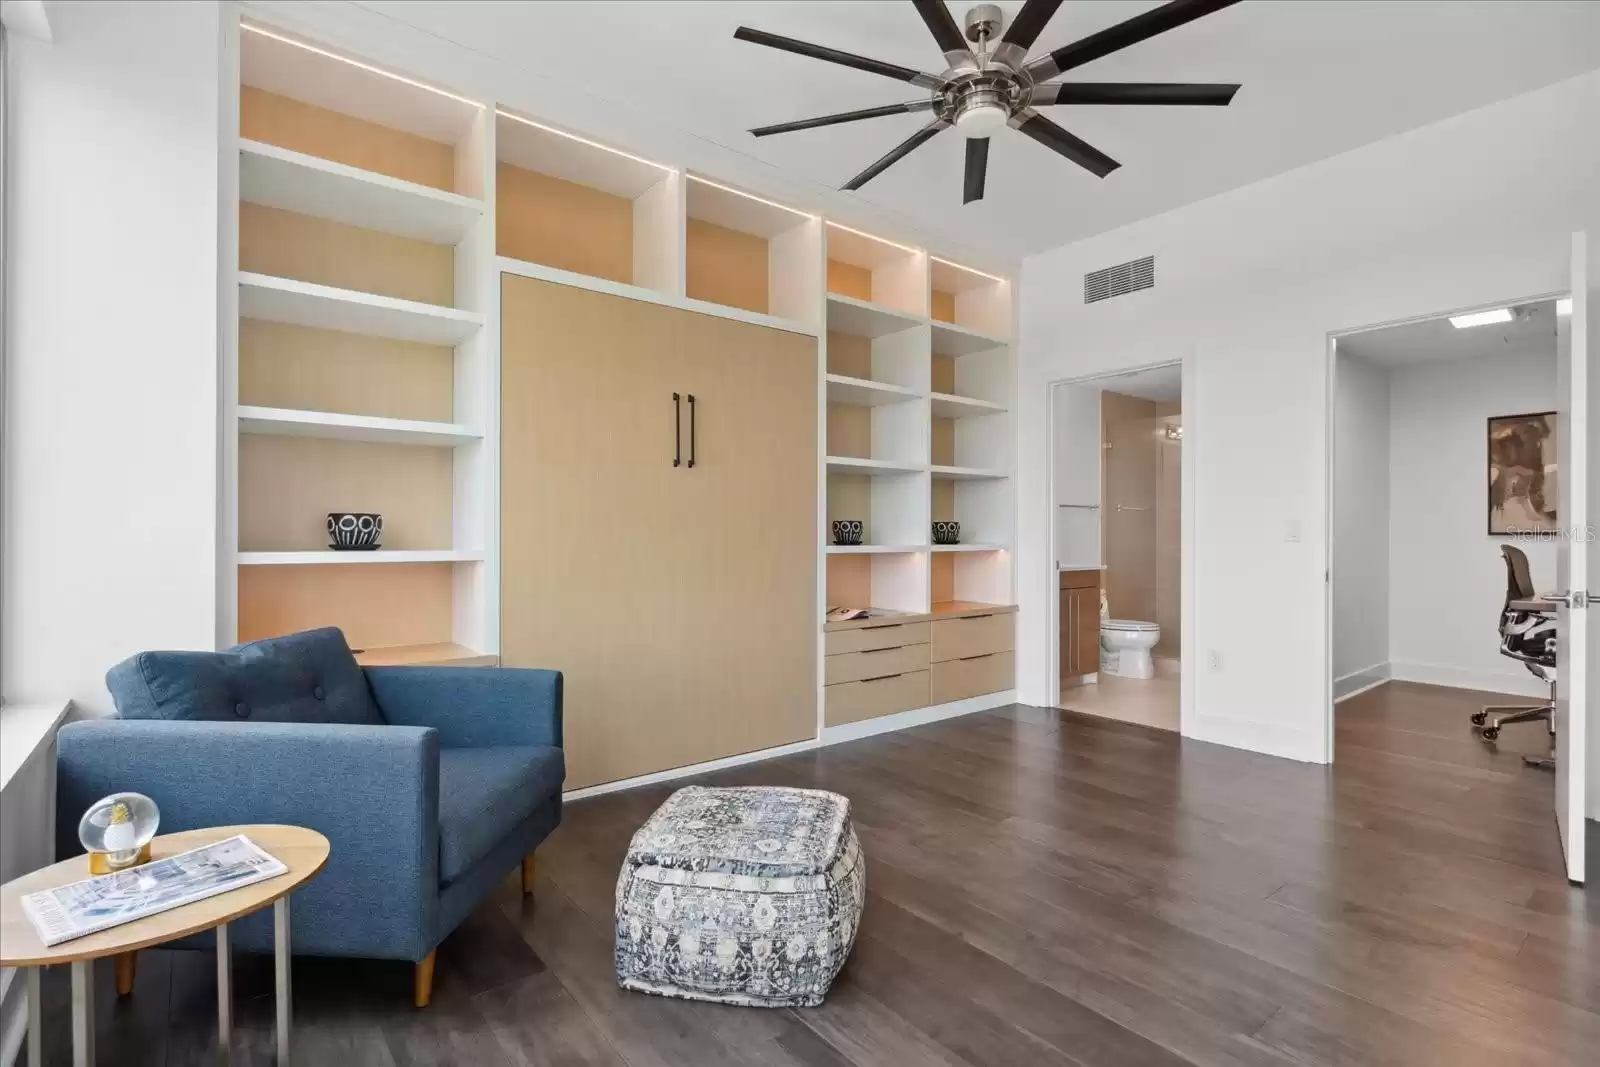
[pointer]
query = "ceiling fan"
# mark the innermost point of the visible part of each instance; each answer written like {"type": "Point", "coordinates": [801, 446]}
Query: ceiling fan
{"type": "Point", "coordinates": [995, 85]}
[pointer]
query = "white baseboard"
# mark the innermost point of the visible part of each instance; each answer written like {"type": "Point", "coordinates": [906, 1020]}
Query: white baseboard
{"type": "Point", "coordinates": [1357, 682]}
{"type": "Point", "coordinates": [1516, 682]}
{"type": "Point", "coordinates": [831, 735]}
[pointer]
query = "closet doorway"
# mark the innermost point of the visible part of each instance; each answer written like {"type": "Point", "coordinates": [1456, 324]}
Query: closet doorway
{"type": "Point", "coordinates": [1116, 509]}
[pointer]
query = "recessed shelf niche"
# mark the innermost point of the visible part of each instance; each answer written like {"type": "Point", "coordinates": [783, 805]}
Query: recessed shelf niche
{"type": "Point", "coordinates": [875, 271]}
{"type": "Point", "coordinates": [567, 202]}
{"type": "Point", "coordinates": [969, 299]}
{"type": "Point", "coordinates": [746, 252]}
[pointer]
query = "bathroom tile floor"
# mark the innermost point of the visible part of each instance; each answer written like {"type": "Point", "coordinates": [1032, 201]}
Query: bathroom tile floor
{"type": "Point", "coordinates": [1147, 702]}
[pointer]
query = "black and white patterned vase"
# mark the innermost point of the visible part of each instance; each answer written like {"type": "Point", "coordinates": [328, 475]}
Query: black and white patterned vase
{"type": "Point", "coordinates": [354, 531]}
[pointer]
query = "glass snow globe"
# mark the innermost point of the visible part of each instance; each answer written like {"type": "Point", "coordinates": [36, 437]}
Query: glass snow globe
{"type": "Point", "coordinates": [116, 831]}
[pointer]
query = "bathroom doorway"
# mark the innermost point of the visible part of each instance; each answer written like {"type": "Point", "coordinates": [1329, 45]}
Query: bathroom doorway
{"type": "Point", "coordinates": [1117, 506]}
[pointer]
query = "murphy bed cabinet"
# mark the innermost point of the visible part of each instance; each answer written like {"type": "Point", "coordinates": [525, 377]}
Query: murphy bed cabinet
{"type": "Point", "coordinates": [445, 310]}
{"type": "Point", "coordinates": [657, 501]}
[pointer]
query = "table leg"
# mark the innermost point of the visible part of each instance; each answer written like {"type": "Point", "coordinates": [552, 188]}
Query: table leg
{"type": "Point", "coordinates": [35, 1018]}
{"type": "Point", "coordinates": [83, 1013]}
{"type": "Point", "coordinates": [224, 989]}
{"type": "Point", "coordinates": [280, 951]}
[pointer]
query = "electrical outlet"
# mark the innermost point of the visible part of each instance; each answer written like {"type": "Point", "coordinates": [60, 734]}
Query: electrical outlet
{"type": "Point", "coordinates": [1216, 659]}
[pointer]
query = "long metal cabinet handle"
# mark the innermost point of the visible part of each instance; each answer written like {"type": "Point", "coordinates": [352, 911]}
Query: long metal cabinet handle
{"type": "Point", "coordinates": [691, 430]}
{"type": "Point", "coordinates": [677, 430]}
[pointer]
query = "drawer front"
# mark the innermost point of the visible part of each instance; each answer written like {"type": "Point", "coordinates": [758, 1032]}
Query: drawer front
{"type": "Point", "coordinates": [854, 701]}
{"type": "Point", "coordinates": [874, 663]}
{"type": "Point", "coordinates": [958, 679]}
{"type": "Point", "coordinates": [1080, 579]}
{"type": "Point", "coordinates": [975, 635]}
{"type": "Point", "coordinates": [890, 635]}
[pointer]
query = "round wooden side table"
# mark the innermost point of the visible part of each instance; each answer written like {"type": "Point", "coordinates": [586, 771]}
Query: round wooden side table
{"type": "Point", "coordinates": [303, 851]}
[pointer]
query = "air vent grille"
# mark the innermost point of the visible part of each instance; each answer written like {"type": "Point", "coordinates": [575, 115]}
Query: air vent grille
{"type": "Point", "coordinates": [1127, 277]}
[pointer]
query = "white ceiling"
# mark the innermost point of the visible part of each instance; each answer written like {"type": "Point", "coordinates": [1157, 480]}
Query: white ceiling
{"type": "Point", "coordinates": [1532, 332]}
{"type": "Point", "coordinates": [1319, 76]}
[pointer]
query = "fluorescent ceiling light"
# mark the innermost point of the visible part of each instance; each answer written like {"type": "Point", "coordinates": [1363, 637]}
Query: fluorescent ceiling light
{"type": "Point", "coordinates": [750, 196]}
{"type": "Point", "coordinates": [252, 28]}
{"type": "Point", "coordinates": [1481, 318]}
{"type": "Point", "coordinates": [581, 140]}
{"type": "Point", "coordinates": [1564, 306]}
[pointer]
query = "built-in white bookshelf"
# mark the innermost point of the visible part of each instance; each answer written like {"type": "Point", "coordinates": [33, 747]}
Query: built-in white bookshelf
{"type": "Point", "coordinates": [915, 383]}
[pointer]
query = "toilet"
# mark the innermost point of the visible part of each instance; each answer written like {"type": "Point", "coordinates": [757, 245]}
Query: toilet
{"type": "Point", "coordinates": [1125, 646]}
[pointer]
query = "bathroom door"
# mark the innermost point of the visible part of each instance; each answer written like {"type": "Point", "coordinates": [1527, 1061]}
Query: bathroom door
{"type": "Point", "coordinates": [1575, 652]}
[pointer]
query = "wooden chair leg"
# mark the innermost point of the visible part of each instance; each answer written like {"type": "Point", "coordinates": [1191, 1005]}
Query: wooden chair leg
{"type": "Point", "coordinates": [422, 981]}
{"type": "Point", "coordinates": [527, 874]}
{"type": "Point", "coordinates": [127, 962]}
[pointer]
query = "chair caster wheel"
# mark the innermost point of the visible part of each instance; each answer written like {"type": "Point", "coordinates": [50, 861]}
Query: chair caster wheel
{"type": "Point", "coordinates": [1491, 732]}
{"type": "Point", "coordinates": [1479, 718]}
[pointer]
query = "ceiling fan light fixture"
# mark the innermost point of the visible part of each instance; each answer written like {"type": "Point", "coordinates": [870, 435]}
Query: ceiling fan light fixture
{"type": "Point", "coordinates": [982, 119]}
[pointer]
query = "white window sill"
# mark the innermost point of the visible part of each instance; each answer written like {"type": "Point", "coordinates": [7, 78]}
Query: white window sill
{"type": "Point", "coordinates": [24, 730]}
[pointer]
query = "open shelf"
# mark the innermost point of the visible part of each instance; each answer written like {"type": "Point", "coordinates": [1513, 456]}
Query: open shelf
{"type": "Point", "coordinates": [443, 654]}
{"type": "Point", "coordinates": [962, 474]}
{"type": "Point", "coordinates": [950, 406]}
{"type": "Point", "coordinates": [862, 392]}
{"type": "Point", "coordinates": [869, 550]}
{"type": "Point", "coordinates": [888, 581]}
{"type": "Point", "coordinates": [976, 307]}
{"type": "Point", "coordinates": [747, 252]}
{"type": "Point", "coordinates": [846, 314]}
{"type": "Point", "coordinates": [977, 547]}
{"type": "Point", "coordinates": [311, 185]}
{"type": "Point", "coordinates": [967, 607]}
{"type": "Point", "coordinates": [376, 556]}
{"type": "Point", "coordinates": [285, 422]}
{"type": "Point", "coordinates": [871, 467]}
{"type": "Point", "coordinates": [952, 340]}
{"type": "Point", "coordinates": [568, 202]}
{"type": "Point", "coordinates": [327, 308]}
{"type": "Point", "coordinates": [875, 272]}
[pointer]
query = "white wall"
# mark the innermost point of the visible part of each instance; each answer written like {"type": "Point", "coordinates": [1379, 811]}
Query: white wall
{"type": "Point", "coordinates": [1250, 284]}
{"type": "Point", "coordinates": [1449, 581]}
{"type": "Point", "coordinates": [1361, 519]}
{"type": "Point", "coordinates": [111, 404]}
{"type": "Point", "coordinates": [1076, 436]}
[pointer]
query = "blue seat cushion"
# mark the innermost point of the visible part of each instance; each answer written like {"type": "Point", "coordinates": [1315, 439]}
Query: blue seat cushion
{"type": "Point", "coordinates": [484, 793]}
{"type": "Point", "coordinates": [309, 677]}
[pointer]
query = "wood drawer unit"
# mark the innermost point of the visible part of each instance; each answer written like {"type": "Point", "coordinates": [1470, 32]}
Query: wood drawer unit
{"type": "Point", "coordinates": [868, 699]}
{"type": "Point", "coordinates": [874, 663]}
{"type": "Point", "coordinates": [972, 635]}
{"type": "Point", "coordinates": [867, 638]}
{"type": "Point", "coordinates": [958, 679]}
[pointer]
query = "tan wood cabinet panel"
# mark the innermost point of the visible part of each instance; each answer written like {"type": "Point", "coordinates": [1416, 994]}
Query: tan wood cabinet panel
{"type": "Point", "coordinates": [679, 601]}
{"type": "Point", "coordinates": [973, 635]}
{"type": "Point", "coordinates": [870, 637]}
{"type": "Point", "coordinates": [875, 663]}
{"type": "Point", "coordinates": [959, 679]}
{"type": "Point", "coordinates": [869, 699]}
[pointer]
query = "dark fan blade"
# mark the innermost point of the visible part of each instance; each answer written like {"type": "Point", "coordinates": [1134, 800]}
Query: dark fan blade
{"type": "Point", "coordinates": [1054, 137]}
{"type": "Point", "coordinates": [1139, 28]}
{"type": "Point", "coordinates": [833, 55]}
{"type": "Point", "coordinates": [943, 26]}
{"type": "Point", "coordinates": [977, 169]}
{"type": "Point", "coordinates": [844, 116]}
{"type": "Point", "coordinates": [1133, 93]}
{"type": "Point", "coordinates": [1024, 29]}
{"type": "Point", "coordinates": [899, 152]}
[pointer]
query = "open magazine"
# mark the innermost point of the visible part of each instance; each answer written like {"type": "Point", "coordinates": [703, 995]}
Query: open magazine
{"type": "Point", "coordinates": [70, 911]}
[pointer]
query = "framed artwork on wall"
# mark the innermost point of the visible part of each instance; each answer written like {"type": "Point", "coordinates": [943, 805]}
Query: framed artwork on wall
{"type": "Point", "coordinates": [1522, 474]}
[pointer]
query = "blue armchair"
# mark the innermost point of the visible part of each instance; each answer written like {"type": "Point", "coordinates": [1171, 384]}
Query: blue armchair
{"type": "Point", "coordinates": [431, 783]}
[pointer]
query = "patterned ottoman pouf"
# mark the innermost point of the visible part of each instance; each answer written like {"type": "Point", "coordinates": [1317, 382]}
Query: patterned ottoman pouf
{"type": "Point", "coordinates": [740, 896]}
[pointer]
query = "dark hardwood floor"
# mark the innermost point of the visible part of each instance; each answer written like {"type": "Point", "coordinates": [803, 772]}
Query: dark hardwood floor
{"type": "Point", "coordinates": [1044, 888]}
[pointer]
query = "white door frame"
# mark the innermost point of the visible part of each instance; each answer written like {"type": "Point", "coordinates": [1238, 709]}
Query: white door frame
{"type": "Point", "coordinates": [1328, 475]}
{"type": "Point", "coordinates": [1187, 661]}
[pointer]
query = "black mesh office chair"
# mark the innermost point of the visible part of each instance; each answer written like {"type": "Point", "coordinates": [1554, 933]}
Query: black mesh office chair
{"type": "Point", "coordinates": [1527, 636]}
